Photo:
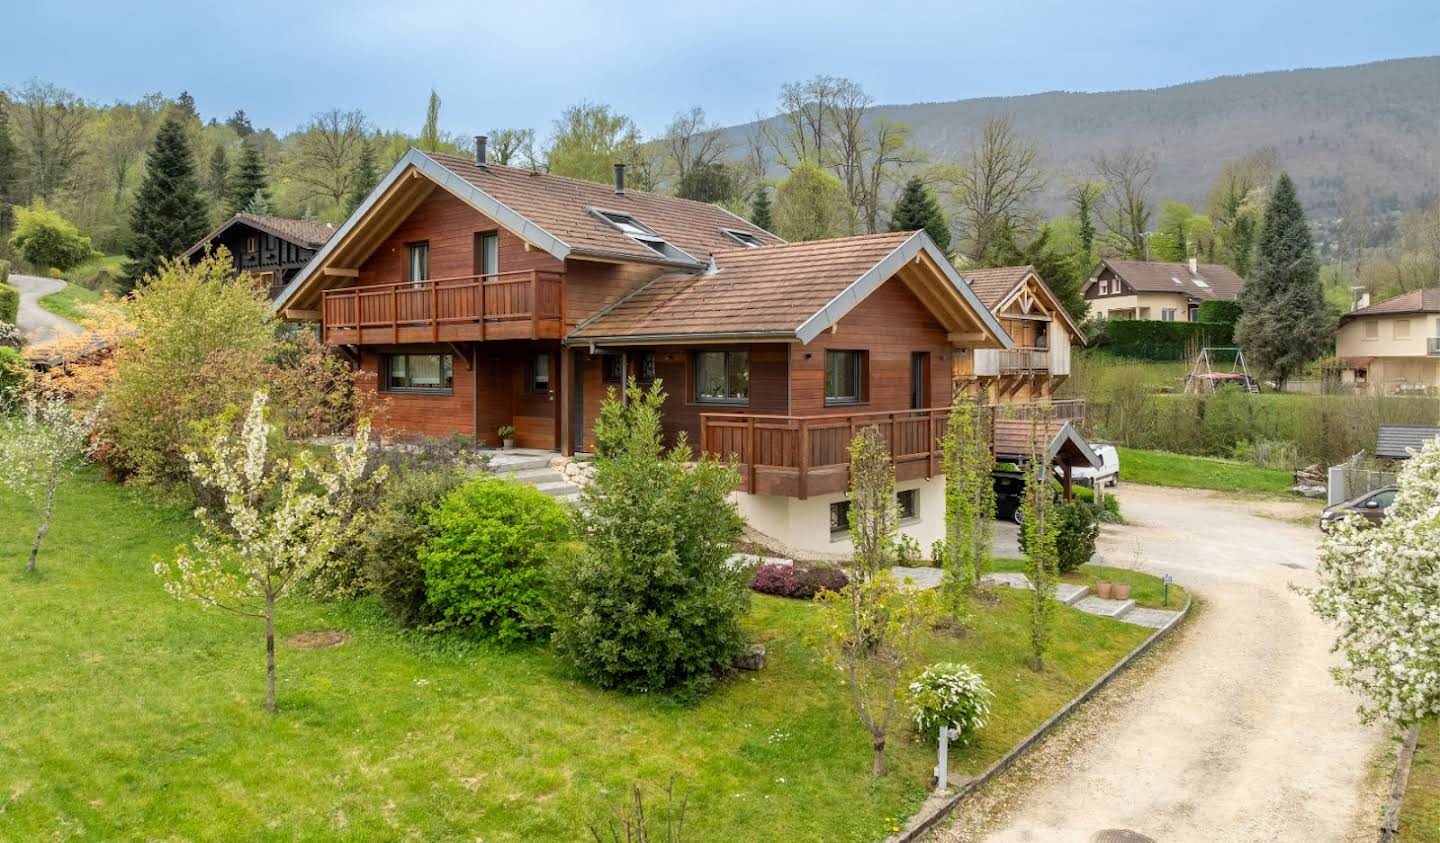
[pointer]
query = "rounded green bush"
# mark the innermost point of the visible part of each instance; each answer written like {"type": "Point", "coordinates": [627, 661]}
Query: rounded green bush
{"type": "Point", "coordinates": [9, 303]}
{"type": "Point", "coordinates": [485, 561]}
{"type": "Point", "coordinates": [1077, 530]}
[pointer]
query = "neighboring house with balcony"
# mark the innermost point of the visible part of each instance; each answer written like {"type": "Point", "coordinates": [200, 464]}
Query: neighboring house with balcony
{"type": "Point", "coordinates": [271, 249]}
{"type": "Point", "coordinates": [482, 296]}
{"type": "Point", "coordinates": [1043, 332]}
{"type": "Point", "coordinates": [1170, 292]}
{"type": "Point", "coordinates": [1392, 346]}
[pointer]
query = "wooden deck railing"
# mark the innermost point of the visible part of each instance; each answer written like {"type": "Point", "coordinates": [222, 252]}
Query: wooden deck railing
{"type": "Point", "coordinates": [799, 456]}
{"type": "Point", "coordinates": [508, 305]}
{"type": "Point", "coordinates": [1021, 360]}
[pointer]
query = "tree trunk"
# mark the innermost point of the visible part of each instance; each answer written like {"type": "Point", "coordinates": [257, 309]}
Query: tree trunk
{"type": "Point", "coordinates": [877, 767]}
{"type": "Point", "coordinates": [44, 528]}
{"type": "Point", "coordinates": [270, 653]}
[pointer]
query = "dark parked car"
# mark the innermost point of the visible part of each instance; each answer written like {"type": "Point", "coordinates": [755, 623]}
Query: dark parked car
{"type": "Point", "coordinates": [1372, 505]}
{"type": "Point", "coordinates": [1009, 492]}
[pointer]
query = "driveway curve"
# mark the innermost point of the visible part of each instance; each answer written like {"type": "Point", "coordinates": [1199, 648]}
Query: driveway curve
{"type": "Point", "coordinates": [34, 321]}
{"type": "Point", "coordinates": [1234, 731]}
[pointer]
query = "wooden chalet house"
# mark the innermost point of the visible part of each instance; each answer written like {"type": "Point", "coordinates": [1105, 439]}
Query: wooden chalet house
{"type": "Point", "coordinates": [483, 296]}
{"type": "Point", "coordinates": [1043, 332]}
{"type": "Point", "coordinates": [272, 249]}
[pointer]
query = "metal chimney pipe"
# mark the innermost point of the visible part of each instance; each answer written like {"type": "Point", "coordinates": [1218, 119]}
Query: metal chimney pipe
{"type": "Point", "coordinates": [480, 150]}
{"type": "Point", "coordinates": [1194, 266]}
{"type": "Point", "coordinates": [619, 179]}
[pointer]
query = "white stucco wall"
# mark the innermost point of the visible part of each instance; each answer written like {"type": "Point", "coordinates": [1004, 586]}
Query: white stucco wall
{"type": "Point", "coordinates": [804, 526]}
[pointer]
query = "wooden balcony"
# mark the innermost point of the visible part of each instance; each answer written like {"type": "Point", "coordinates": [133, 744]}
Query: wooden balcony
{"type": "Point", "coordinates": [799, 456]}
{"type": "Point", "coordinates": [1007, 362]}
{"type": "Point", "coordinates": [471, 308]}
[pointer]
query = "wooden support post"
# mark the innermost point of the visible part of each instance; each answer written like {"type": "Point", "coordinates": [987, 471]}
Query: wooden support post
{"type": "Point", "coordinates": [567, 402]}
{"type": "Point", "coordinates": [804, 459]}
{"type": "Point", "coordinates": [1066, 482]}
{"type": "Point", "coordinates": [534, 304]}
{"type": "Point", "coordinates": [434, 313]}
{"type": "Point", "coordinates": [480, 307]}
{"type": "Point", "coordinates": [750, 451]}
{"type": "Point", "coordinates": [929, 444]}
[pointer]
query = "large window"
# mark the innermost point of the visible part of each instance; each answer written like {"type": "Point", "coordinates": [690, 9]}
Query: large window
{"type": "Point", "coordinates": [613, 368]}
{"type": "Point", "coordinates": [844, 376]}
{"type": "Point", "coordinates": [417, 266]}
{"type": "Point", "coordinates": [418, 373]}
{"type": "Point", "coordinates": [722, 377]}
{"type": "Point", "coordinates": [487, 253]}
{"type": "Point", "coordinates": [907, 507]}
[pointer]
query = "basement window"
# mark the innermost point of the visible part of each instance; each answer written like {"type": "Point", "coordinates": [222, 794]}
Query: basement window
{"type": "Point", "coordinates": [744, 238]}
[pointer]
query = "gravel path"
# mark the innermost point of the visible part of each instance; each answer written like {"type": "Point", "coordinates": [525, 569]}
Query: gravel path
{"type": "Point", "coordinates": [1236, 732]}
{"type": "Point", "coordinates": [37, 323]}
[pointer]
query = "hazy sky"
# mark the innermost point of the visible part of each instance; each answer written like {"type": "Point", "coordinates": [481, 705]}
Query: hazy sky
{"type": "Point", "coordinates": [519, 63]}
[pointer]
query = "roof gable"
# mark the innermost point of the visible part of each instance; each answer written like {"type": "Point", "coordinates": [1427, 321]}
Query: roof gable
{"type": "Point", "coordinates": [1415, 301]}
{"type": "Point", "coordinates": [1001, 286]}
{"type": "Point", "coordinates": [1208, 281]}
{"type": "Point", "coordinates": [304, 233]}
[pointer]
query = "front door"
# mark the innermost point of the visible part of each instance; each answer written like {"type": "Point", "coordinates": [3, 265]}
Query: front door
{"type": "Point", "coordinates": [919, 380]}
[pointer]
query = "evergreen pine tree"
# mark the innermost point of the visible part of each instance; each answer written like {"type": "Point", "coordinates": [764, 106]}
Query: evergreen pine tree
{"type": "Point", "coordinates": [365, 177]}
{"type": "Point", "coordinates": [169, 213]}
{"type": "Point", "coordinates": [917, 209]}
{"type": "Point", "coordinates": [259, 204]}
{"type": "Point", "coordinates": [219, 179]}
{"type": "Point", "coordinates": [760, 209]}
{"type": "Point", "coordinates": [1083, 200]}
{"type": "Point", "coordinates": [1285, 323]}
{"type": "Point", "coordinates": [430, 132]}
{"type": "Point", "coordinates": [246, 179]}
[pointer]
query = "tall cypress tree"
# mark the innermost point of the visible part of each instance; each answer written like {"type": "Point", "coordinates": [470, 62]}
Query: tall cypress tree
{"type": "Point", "coordinates": [247, 179]}
{"type": "Point", "coordinates": [1285, 323]}
{"type": "Point", "coordinates": [917, 209]}
{"type": "Point", "coordinates": [365, 177]}
{"type": "Point", "coordinates": [760, 210]}
{"type": "Point", "coordinates": [169, 215]}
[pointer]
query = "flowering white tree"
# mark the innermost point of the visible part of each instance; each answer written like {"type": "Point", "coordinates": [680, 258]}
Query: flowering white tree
{"type": "Point", "coordinates": [1381, 587]}
{"type": "Point", "coordinates": [40, 447]}
{"type": "Point", "coordinates": [281, 519]}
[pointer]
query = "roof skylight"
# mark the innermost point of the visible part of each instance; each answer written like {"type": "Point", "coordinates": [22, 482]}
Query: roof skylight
{"type": "Point", "coordinates": [644, 234]}
{"type": "Point", "coordinates": [744, 238]}
{"type": "Point", "coordinates": [1199, 282]}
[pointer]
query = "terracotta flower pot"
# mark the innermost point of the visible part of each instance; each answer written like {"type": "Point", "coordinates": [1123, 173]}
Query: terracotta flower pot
{"type": "Point", "coordinates": [1102, 589]}
{"type": "Point", "coordinates": [1121, 591]}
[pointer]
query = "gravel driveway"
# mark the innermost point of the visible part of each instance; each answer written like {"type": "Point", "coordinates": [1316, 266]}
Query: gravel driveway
{"type": "Point", "coordinates": [1234, 731]}
{"type": "Point", "coordinates": [34, 321]}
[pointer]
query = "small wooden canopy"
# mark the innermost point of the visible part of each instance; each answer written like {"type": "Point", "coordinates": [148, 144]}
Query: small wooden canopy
{"type": "Point", "coordinates": [1063, 443]}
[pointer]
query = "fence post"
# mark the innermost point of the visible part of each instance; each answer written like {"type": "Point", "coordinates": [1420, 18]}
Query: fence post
{"type": "Point", "coordinates": [942, 769]}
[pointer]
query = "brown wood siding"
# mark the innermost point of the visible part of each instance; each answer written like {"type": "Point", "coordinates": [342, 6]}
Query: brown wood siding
{"type": "Point", "coordinates": [889, 325]}
{"type": "Point", "coordinates": [591, 286]}
{"type": "Point", "coordinates": [449, 226]}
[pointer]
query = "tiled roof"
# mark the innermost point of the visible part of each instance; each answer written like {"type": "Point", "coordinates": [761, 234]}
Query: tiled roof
{"type": "Point", "coordinates": [563, 208]}
{"type": "Point", "coordinates": [1393, 440]}
{"type": "Point", "coordinates": [991, 285]}
{"type": "Point", "coordinates": [768, 290]}
{"type": "Point", "coordinates": [1220, 281]}
{"type": "Point", "coordinates": [305, 232]}
{"type": "Point", "coordinates": [1011, 441]}
{"type": "Point", "coordinates": [1415, 301]}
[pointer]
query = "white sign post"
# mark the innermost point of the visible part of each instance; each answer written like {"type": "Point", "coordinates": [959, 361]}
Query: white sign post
{"type": "Point", "coordinates": [942, 770]}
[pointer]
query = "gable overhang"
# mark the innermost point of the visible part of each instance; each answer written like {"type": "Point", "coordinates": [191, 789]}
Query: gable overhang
{"type": "Point", "coordinates": [413, 178]}
{"type": "Point", "coordinates": [924, 269]}
{"type": "Point", "coordinates": [1050, 301]}
{"type": "Point", "coordinates": [258, 226]}
{"type": "Point", "coordinates": [1066, 446]}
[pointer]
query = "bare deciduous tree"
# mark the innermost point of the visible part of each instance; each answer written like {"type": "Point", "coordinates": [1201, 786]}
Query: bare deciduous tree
{"type": "Point", "coordinates": [50, 122]}
{"type": "Point", "coordinates": [326, 153]}
{"type": "Point", "coordinates": [1125, 208]}
{"type": "Point", "coordinates": [1001, 177]}
{"type": "Point", "coordinates": [513, 147]}
{"type": "Point", "coordinates": [691, 141]}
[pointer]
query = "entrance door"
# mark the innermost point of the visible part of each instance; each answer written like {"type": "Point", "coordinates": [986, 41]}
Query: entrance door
{"type": "Point", "coordinates": [919, 380]}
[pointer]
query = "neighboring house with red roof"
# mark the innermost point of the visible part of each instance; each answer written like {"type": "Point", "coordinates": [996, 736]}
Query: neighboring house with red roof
{"type": "Point", "coordinates": [1392, 346]}
{"type": "Point", "coordinates": [272, 249]}
{"type": "Point", "coordinates": [482, 296]}
{"type": "Point", "coordinates": [1043, 332]}
{"type": "Point", "coordinates": [1170, 292]}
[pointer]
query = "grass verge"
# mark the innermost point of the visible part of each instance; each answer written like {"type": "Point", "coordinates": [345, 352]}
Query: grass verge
{"type": "Point", "coordinates": [1162, 468]}
{"type": "Point", "coordinates": [1145, 590]}
{"type": "Point", "coordinates": [136, 716]}
{"type": "Point", "coordinates": [69, 303]}
{"type": "Point", "coordinates": [1420, 814]}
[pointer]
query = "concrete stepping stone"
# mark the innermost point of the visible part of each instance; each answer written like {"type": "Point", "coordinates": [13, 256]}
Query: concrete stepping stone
{"type": "Point", "coordinates": [922, 579]}
{"type": "Point", "coordinates": [1153, 618]}
{"type": "Point", "coordinates": [1106, 608]}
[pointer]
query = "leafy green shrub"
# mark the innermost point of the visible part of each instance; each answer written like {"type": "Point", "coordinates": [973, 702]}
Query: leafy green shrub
{"type": "Point", "coordinates": [1108, 511]}
{"type": "Point", "coordinates": [14, 373]}
{"type": "Point", "coordinates": [651, 602]}
{"type": "Point", "coordinates": [4, 271]}
{"type": "Point", "coordinates": [9, 303]}
{"type": "Point", "coordinates": [1148, 339]}
{"type": "Point", "coordinates": [1218, 311]}
{"type": "Point", "coordinates": [953, 694]}
{"type": "Point", "coordinates": [10, 336]}
{"type": "Point", "coordinates": [1269, 453]}
{"type": "Point", "coordinates": [485, 560]}
{"type": "Point", "coordinates": [1076, 532]}
{"type": "Point", "coordinates": [47, 240]}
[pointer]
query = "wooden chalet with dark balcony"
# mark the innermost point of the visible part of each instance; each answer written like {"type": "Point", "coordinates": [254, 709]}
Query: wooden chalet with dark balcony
{"type": "Point", "coordinates": [1043, 332]}
{"type": "Point", "coordinates": [483, 296]}
{"type": "Point", "coordinates": [272, 250]}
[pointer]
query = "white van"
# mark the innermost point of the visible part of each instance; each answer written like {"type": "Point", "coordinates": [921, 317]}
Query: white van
{"type": "Point", "coordinates": [1108, 474]}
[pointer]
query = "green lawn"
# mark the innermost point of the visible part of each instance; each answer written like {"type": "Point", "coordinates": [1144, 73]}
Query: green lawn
{"type": "Point", "coordinates": [1420, 816]}
{"type": "Point", "coordinates": [131, 715]}
{"type": "Point", "coordinates": [97, 272]}
{"type": "Point", "coordinates": [1145, 590]}
{"type": "Point", "coordinates": [67, 303]}
{"type": "Point", "coordinates": [1162, 468]}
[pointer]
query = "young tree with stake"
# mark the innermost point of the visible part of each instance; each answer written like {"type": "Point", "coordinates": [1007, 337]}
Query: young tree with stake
{"type": "Point", "coordinates": [282, 518]}
{"type": "Point", "coordinates": [1039, 533]}
{"type": "Point", "coordinates": [969, 500]}
{"type": "Point", "coordinates": [39, 448]}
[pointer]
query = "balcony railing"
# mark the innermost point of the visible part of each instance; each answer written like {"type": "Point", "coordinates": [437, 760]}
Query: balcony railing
{"type": "Point", "coordinates": [799, 456]}
{"type": "Point", "coordinates": [1021, 360]}
{"type": "Point", "coordinates": [506, 305]}
{"type": "Point", "coordinates": [992, 362]}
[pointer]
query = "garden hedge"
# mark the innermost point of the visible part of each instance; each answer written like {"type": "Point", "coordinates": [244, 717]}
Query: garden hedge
{"type": "Point", "coordinates": [1148, 339]}
{"type": "Point", "coordinates": [1222, 312]}
{"type": "Point", "coordinates": [9, 303]}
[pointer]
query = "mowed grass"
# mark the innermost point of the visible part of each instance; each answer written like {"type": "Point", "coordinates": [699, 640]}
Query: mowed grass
{"type": "Point", "coordinates": [1162, 468]}
{"type": "Point", "coordinates": [1420, 815]}
{"type": "Point", "coordinates": [70, 302]}
{"type": "Point", "coordinates": [131, 715]}
{"type": "Point", "coordinates": [1145, 590]}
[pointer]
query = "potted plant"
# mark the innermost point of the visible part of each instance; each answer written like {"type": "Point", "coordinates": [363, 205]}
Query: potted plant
{"type": "Point", "coordinates": [1102, 589]}
{"type": "Point", "coordinates": [507, 436]}
{"type": "Point", "coordinates": [1121, 591]}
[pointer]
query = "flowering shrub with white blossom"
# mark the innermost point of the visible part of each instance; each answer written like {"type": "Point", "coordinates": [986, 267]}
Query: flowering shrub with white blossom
{"type": "Point", "coordinates": [40, 446]}
{"type": "Point", "coordinates": [1381, 587]}
{"type": "Point", "coordinates": [282, 518]}
{"type": "Point", "coordinates": [953, 694]}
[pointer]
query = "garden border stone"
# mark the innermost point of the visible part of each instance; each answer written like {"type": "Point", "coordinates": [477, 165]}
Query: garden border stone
{"type": "Point", "coordinates": [937, 807]}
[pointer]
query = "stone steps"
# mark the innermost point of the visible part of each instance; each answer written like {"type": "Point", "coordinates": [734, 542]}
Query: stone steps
{"type": "Point", "coordinates": [533, 469]}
